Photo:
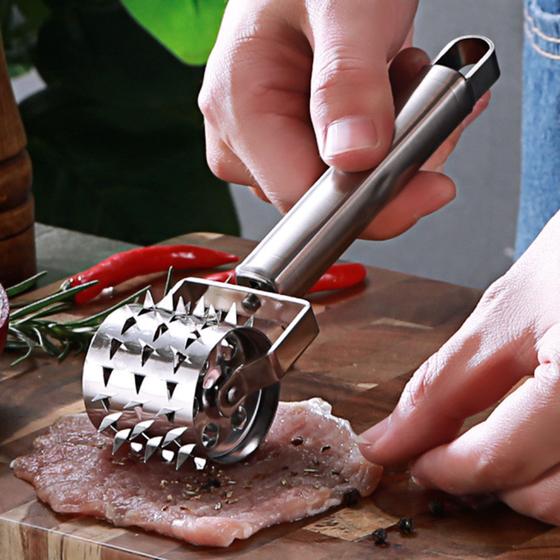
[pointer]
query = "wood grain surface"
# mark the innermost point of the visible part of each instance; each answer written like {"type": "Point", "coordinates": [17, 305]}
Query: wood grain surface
{"type": "Point", "coordinates": [371, 339]}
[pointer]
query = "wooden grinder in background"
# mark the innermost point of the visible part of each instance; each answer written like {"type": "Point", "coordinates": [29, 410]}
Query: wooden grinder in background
{"type": "Point", "coordinates": [17, 241]}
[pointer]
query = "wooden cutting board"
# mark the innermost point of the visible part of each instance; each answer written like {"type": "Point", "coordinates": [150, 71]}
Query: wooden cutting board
{"type": "Point", "coordinates": [371, 339]}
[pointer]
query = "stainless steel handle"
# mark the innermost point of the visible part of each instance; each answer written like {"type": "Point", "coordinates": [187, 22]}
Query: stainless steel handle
{"type": "Point", "coordinates": [338, 207]}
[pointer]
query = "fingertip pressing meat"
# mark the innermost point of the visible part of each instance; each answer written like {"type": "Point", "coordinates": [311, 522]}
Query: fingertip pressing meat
{"type": "Point", "coordinates": [307, 464]}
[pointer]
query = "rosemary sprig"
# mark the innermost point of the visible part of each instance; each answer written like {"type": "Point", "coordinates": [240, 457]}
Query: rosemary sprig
{"type": "Point", "coordinates": [32, 327]}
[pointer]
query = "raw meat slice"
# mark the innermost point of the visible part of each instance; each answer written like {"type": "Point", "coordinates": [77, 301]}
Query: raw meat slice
{"type": "Point", "coordinates": [308, 463]}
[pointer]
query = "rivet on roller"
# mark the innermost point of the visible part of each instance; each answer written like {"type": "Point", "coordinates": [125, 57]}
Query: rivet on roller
{"type": "Point", "coordinates": [183, 454]}
{"type": "Point", "coordinates": [129, 323]}
{"type": "Point", "coordinates": [120, 438]}
{"type": "Point", "coordinates": [239, 418]}
{"type": "Point", "coordinates": [151, 447]}
{"type": "Point", "coordinates": [108, 421]}
{"type": "Point", "coordinates": [210, 435]}
{"type": "Point", "coordinates": [114, 346]}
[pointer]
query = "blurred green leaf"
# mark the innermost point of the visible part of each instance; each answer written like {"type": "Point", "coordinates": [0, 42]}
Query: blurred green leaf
{"type": "Point", "coordinates": [188, 28]}
{"type": "Point", "coordinates": [116, 138]}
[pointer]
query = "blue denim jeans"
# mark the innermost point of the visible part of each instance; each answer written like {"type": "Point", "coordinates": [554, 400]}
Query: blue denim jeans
{"type": "Point", "coordinates": [540, 161]}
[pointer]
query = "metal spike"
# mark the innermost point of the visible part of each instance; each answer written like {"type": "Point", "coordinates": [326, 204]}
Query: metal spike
{"type": "Point", "coordinates": [171, 386]}
{"type": "Point", "coordinates": [180, 308]}
{"type": "Point", "coordinates": [231, 317]}
{"type": "Point", "coordinates": [161, 329]}
{"type": "Point", "coordinates": [105, 400]}
{"type": "Point", "coordinates": [120, 437]}
{"type": "Point", "coordinates": [173, 435]}
{"type": "Point", "coordinates": [109, 420]}
{"type": "Point", "coordinates": [178, 359]}
{"type": "Point", "coordinates": [136, 446]}
{"type": "Point", "coordinates": [250, 321]}
{"type": "Point", "coordinates": [147, 351]}
{"type": "Point", "coordinates": [183, 454]}
{"type": "Point", "coordinates": [211, 316]}
{"type": "Point", "coordinates": [163, 411]}
{"type": "Point", "coordinates": [149, 300]}
{"type": "Point", "coordinates": [132, 404]}
{"type": "Point", "coordinates": [138, 380]}
{"type": "Point", "coordinates": [151, 447]}
{"type": "Point", "coordinates": [107, 371]}
{"type": "Point", "coordinates": [200, 308]}
{"type": "Point", "coordinates": [199, 463]}
{"type": "Point", "coordinates": [115, 345]}
{"type": "Point", "coordinates": [130, 322]}
{"type": "Point", "coordinates": [191, 337]}
{"type": "Point", "coordinates": [140, 428]}
{"type": "Point", "coordinates": [167, 303]}
{"type": "Point", "coordinates": [167, 456]}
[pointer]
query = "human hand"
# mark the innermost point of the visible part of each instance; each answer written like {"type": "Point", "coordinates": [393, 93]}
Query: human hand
{"type": "Point", "coordinates": [514, 332]}
{"type": "Point", "coordinates": [293, 85]}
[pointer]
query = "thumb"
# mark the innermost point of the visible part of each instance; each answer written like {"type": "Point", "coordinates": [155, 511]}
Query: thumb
{"type": "Point", "coordinates": [487, 356]}
{"type": "Point", "coordinates": [351, 101]}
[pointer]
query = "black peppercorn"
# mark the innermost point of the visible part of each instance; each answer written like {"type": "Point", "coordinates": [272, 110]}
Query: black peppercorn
{"type": "Point", "coordinates": [437, 509]}
{"type": "Point", "coordinates": [406, 526]}
{"type": "Point", "coordinates": [379, 537]}
{"type": "Point", "coordinates": [211, 483]}
{"type": "Point", "coordinates": [351, 498]}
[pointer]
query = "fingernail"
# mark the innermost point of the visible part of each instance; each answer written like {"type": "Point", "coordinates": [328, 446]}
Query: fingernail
{"type": "Point", "coordinates": [350, 134]}
{"type": "Point", "coordinates": [369, 437]}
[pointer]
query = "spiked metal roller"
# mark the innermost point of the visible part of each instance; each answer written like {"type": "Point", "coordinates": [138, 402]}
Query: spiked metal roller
{"type": "Point", "coordinates": [197, 375]}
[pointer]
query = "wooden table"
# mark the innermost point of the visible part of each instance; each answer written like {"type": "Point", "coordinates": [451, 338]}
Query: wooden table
{"type": "Point", "coordinates": [371, 339]}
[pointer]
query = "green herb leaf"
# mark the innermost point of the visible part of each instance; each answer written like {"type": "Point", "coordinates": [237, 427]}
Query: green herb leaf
{"type": "Point", "coordinates": [25, 285]}
{"type": "Point", "coordinates": [187, 28]}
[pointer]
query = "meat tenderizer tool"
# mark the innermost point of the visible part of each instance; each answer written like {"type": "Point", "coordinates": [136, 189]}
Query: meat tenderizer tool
{"type": "Point", "coordinates": [196, 376]}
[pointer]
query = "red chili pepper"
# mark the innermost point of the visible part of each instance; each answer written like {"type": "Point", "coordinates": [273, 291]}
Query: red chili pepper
{"type": "Point", "coordinates": [145, 260]}
{"type": "Point", "coordinates": [337, 277]}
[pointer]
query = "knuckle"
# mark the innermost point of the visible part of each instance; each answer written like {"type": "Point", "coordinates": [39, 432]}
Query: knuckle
{"type": "Point", "coordinates": [495, 294]}
{"type": "Point", "coordinates": [218, 164]}
{"type": "Point", "coordinates": [338, 68]}
{"type": "Point", "coordinates": [206, 103]}
{"type": "Point", "coordinates": [420, 383]}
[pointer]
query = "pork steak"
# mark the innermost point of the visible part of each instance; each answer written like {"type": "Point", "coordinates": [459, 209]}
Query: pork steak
{"type": "Point", "coordinates": [308, 463]}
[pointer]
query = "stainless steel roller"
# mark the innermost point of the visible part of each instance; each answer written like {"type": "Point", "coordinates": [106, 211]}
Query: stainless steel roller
{"type": "Point", "coordinates": [196, 376]}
